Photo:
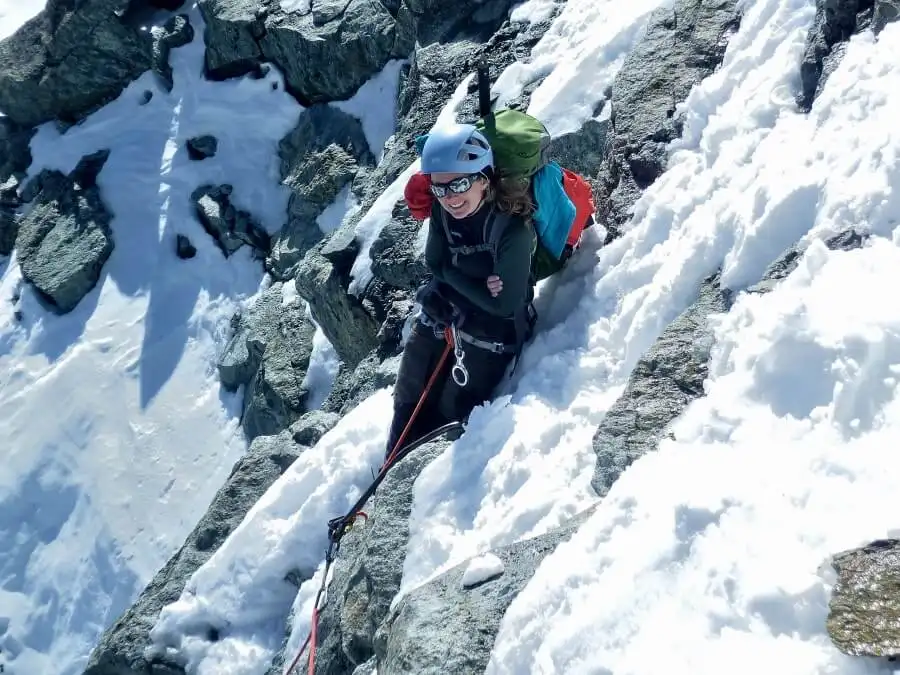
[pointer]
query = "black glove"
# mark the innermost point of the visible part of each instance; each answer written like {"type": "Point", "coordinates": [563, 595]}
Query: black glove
{"type": "Point", "coordinates": [435, 305]}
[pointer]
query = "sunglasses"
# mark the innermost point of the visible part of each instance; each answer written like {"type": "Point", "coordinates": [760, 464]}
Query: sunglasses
{"type": "Point", "coordinates": [456, 186]}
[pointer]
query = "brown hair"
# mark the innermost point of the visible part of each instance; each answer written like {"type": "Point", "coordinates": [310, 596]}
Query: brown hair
{"type": "Point", "coordinates": [512, 195]}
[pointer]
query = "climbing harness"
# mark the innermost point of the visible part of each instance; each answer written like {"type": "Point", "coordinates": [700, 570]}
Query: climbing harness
{"type": "Point", "coordinates": [338, 527]}
{"type": "Point", "coordinates": [459, 373]}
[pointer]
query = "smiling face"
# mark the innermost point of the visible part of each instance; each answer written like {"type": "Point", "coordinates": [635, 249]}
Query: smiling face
{"type": "Point", "coordinates": [459, 204]}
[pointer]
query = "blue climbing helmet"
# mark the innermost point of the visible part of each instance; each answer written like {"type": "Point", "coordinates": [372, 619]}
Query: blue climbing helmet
{"type": "Point", "coordinates": [456, 148]}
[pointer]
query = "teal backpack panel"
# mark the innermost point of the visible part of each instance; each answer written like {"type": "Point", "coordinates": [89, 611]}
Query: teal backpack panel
{"type": "Point", "coordinates": [554, 211]}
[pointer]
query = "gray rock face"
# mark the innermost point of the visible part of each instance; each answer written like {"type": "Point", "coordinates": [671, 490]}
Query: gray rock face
{"type": "Point", "coordinates": [9, 223]}
{"type": "Point", "coordinates": [15, 151]}
{"type": "Point", "coordinates": [15, 157]}
{"type": "Point", "coordinates": [328, 52]}
{"type": "Point", "coordinates": [665, 380]}
{"type": "Point", "coordinates": [65, 239]}
{"type": "Point", "coordinates": [176, 32]}
{"type": "Point", "coordinates": [835, 22]}
{"type": "Point", "coordinates": [319, 158]}
{"type": "Point", "coordinates": [349, 326]}
{"type": "Point", "coordinates": [369, 568]}
{"type": "Point", "coordinates": [310, 428]}
{"type": "Point", "coordinates": [886, 11]}
{"type": "Point", "coordinates": [683, 44]}
{"type": "Point", "coordinates": [441, 627]}
{"type": "Point", "coordinates": [864, 611]}
{"type": "Point", "coordinates": [184, 249]}
{"type": "Point", "coordinates": [121, 649]}
{"type": "Point", "coordinates": [229, 226]}
{"type": "Point", "coordinates": [202, 147]}
{"type": "Point", "coordinates": [69, 60]}
{"type": "Point", "coordinates": [394, 256]}
{"type": "Point", "coordinates": [353, 385]}
{"type": "Point", "coordinates": [269, 353]}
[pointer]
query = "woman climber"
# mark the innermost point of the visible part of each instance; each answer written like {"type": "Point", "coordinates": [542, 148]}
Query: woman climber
{"type": "Point", "coordinates": [479, 251]}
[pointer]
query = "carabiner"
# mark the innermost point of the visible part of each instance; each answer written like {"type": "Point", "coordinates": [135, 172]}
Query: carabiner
{"type": "Point", "coordinates": [459, 373]}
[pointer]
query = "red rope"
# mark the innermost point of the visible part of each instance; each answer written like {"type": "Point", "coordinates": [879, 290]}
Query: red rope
{"type": "Point", "coordinates": [311, 638]}
{"type": "Point", "coordinates": [448, 336]}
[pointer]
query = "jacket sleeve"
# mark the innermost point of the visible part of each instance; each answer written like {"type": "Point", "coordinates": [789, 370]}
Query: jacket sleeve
{"type": "Point", "coordinates": [513, 267]}
{"type": "Point", "coordinates": [435, 248]}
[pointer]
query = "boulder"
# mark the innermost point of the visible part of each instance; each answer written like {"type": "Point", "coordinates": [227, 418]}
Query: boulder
{"type": "Point", "coordinates": [177, 31]}
{"type": "Point", "coordinates": [65, 238]}
{"type": "Point", "coordinates": [310, 428]}
{"type": "Point", "coordinates": [230, 227]}
{"type": "Point", "coordinates": [835, 22]}
{"type": "Point", "coordinates": [864, 611]}
{"type": "Point", "coordinates": [202, 147]}
{"type": "Point", "coordinates": [330, 52]}
{"type": "Point", "coordinates": [329, 48]}
{"type": "Point", "coordinates": [886, 11]}
{"type": "Point", "coordinates": [442, 627]}
{"type": "Point", "coordinates": [269, 353]}
{"type": "Point", "coordinates": [69, 60]}
{"type": "Point", "coordinates": [347, 323]}
{"type": "Point", "coordinates": [184, 249]}
{"type": "Point", "coordinates": [353, 385]}
{"type": "Point", "coordinates": [319, 157]}
{"type": "Point", "coordinates": [121, 649]}
{"type": "Point", "coordinates": [683, 44]}
{"type": "Point", "coordinates": [396, 258]}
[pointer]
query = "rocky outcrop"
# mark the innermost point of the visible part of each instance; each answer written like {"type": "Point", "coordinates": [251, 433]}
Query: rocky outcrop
{"type": "Point", "coordinates": [320, 157]}
{"type": "Point", "coordinates": [65, 238]}
{"type": "Point", "coordinates": [328, 48]}
{"type": "Point", "coordinates": [864, 611]}
{"type": "Point", "coordinates": [395, 257]}
{"type": "Point", "coordinates": [664, 381]}
{"type": "Point", "coordinates": [672, 372]}
{"type": "Point", "coordinates": [229, 226]}
{"type": "Point", "coordinates": [835, 22]}
{"type": "Point", "coordinates": [184, 249]}
{"type": "Point", "coordinates": [9, 223]}
{"type": "Point", "coordinates": [122, 647]}
{"type": "Point", "coordinates": [683, 44]}
{"type": "Point", "coordinates": [368, 571]}
{"type": "Point", "coordinates": [444, 627]}
{"type": "Point", "coordinates": [312, 426]}
{"type": "Point", "coordinates": [69, 60]}
{"type": "Point", "coordinates": [15, 157]}
{"type": "Point", "coordinates": [886, 11]}
{"type": "Point", "coordinates": [202, 147]}
{"type": "Point", "coordinates": [269, 354]}
{"type": "Point", "coordinates": [177, 31]}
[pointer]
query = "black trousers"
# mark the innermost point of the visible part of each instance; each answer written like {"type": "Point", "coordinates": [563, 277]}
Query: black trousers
{"type": "Point", "coordinates": [447, 401]}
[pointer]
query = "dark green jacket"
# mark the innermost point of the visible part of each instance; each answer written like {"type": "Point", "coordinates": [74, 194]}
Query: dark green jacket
{"type": "Point", "coordinates": [467, 274]}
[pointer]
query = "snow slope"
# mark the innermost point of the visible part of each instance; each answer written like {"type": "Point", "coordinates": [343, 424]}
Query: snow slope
{"type": "Point", "coordinates": [709, 555]}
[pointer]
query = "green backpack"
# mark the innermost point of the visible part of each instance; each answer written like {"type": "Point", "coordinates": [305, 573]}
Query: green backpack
{"type": "Point", "coordinates": [519, 141]}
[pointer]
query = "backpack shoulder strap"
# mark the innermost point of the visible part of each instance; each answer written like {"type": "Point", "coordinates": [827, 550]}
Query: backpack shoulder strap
{"type": "Point", "coordinates": [494, 228]}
